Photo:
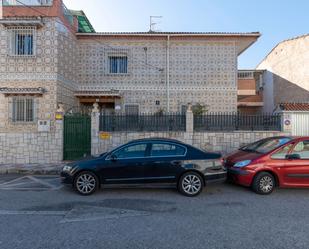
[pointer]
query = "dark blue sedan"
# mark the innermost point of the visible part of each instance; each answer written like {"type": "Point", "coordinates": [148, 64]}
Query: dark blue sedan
{"type": "Point", "coordinates": [147, 161]}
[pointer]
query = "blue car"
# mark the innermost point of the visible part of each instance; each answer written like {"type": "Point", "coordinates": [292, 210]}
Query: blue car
{"type": "Point", "coordinates": [147, 161]}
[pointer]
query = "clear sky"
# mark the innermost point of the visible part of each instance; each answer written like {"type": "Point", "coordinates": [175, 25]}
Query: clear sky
{"type": "Point", "coordinates": [277, 20]}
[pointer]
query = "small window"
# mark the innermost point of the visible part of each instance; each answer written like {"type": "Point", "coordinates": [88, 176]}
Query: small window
{"type": "Point", "coordinates": [164, 149]}
{"type": "Point", "coordinates": [23, 109]}
{"type": "Point", "coordinates": [280, 154]}
{"type": "Point", "coordinates": [302, 149]}
{"type": "Point", "coordinates": [131, 151]}
{"type": "Point", "coordinates": [118, 64]}
{"type": "Point", "coordinates": [22, 41]}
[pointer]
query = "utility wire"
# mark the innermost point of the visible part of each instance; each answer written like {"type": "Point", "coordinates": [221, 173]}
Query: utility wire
{"type": "Point", "coordinates": [99, 42]}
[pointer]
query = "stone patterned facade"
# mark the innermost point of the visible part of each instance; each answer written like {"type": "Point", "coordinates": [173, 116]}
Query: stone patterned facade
{"type": "Point", "coordinates": [50, 69]}
{"type": "Point", "coordinates": [22, 143]}
{"type": "Point", "coordinates": [200, 71]}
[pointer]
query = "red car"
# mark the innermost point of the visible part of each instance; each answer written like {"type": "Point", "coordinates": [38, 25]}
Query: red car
{"type": "Point", "coordinates": [269, 163]}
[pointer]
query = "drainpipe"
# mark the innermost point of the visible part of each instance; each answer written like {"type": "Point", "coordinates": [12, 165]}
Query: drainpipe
{"type": "Point", "coordinates": [168, 72]}
{"type": "Point", "coordinates": [1, 10]}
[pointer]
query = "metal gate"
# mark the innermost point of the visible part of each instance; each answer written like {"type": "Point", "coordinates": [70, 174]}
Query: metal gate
{"type": "Point", "coordinates": [77, 136]}
{"type": "Point", "coordinates": [300, 124]}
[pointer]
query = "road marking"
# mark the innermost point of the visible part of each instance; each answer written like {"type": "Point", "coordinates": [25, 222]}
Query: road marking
{"type": "Point", "coordinates": [41, 182]}
{"type": "Point", "coordinates": [65, 220]}
{"type": "Point", "coordinates": [80, 213]}
{"type": "Point", "coordinates": [91, 213]}
{"type": "Point", "coordinates": [34, 189]}
{"type": "Point", "coordinates": [15, 184]}
{"type": "Point", "coordinates": [49, 213]}
{"type": "Point", "coordinates": [14, 180]}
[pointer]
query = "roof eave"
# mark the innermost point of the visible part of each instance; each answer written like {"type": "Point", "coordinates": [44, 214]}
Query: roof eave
{"type": "Point", "coordinates": [254, 34]}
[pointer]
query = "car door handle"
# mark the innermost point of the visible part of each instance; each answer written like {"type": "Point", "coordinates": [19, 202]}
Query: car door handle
{"type": "Point", "coordinates": [176, 163]}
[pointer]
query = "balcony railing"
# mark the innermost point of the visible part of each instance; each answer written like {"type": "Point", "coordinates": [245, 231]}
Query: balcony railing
{"type": "Point", "coordinates": [27, 2]}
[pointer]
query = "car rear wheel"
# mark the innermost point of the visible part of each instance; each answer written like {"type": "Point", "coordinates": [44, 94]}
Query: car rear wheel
{"type": "Point", "coordinates": [86, 183]}
{"type": "Point", "coordinates": [190, 184]}
{"type": "Point", "coordinates": [263, 183]}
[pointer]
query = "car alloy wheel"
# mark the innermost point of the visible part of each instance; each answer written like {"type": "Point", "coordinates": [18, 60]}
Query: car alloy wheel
{"type": "Point", "coordinates": [191, 184]}
{"type": "Point", "coordinates": [86, 183]}
{"type": "Point", "coordinates": [264, 183]}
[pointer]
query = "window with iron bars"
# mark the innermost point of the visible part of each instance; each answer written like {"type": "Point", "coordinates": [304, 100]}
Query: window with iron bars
{"type": "Point", "coordinates": [118, 64]}
{"type": "Point", "coordinates": [23, 109]}
{"type": "Point", "coordinates": [22, 41]}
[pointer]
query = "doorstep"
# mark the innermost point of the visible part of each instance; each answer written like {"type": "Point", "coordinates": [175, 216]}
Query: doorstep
{"type": "Point", "coordinates": [31, 169]}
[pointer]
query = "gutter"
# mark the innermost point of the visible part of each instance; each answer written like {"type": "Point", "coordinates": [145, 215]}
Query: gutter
{"type": "Point", "coordinates": [172, 35]}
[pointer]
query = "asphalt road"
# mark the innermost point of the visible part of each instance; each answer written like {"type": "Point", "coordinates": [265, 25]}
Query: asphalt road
{"type": "Point", "coordinates": [37, 212]}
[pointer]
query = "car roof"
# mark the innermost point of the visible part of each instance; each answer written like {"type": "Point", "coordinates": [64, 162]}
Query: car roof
{"type": "Point", "coordinates": [300, 137]}
{"type": "Point", "coordinates": [156, 139]}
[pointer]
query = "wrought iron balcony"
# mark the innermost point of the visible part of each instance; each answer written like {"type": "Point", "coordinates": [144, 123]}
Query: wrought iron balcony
{"type": "Point", "coordinates": [27, 2]}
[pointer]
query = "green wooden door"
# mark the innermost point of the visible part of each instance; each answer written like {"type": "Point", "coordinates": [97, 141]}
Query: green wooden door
{"type": "Point", "coordinates": [77, 136]}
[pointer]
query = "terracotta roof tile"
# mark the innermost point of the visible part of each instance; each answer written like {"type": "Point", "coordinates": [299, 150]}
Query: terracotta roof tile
{"type": "Point", "coordinates": [294, 106]}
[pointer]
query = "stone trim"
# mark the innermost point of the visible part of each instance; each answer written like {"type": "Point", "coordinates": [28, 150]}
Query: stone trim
{"type": "Point", "coordinates": [17, 91]}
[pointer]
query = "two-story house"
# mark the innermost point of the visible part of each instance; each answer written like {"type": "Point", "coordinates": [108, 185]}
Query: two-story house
{"type": "Point", "coordinates": [51, 55]}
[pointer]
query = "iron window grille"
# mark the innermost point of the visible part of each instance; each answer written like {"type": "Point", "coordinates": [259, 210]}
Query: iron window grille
{"type": "Point", "coordinates": [118, 64]}
{"type": "Point", "coordinates": [23, 109]}
{"type": "Point", "coordinates": [117, 61]}
{"type": "Point", "coordinates": [22, 41]}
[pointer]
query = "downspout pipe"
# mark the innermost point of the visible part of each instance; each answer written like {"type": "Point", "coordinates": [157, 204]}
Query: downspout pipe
{"type": "Point", "coordinates": [168, 73]}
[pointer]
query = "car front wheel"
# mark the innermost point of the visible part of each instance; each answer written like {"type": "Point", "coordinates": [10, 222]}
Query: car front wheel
{"type": "Point", "coordinates": [86, 183]}
{"type": "Point", "coordinates": [263, 183]}
{"type": "Point", "coordinates": [190, 184]}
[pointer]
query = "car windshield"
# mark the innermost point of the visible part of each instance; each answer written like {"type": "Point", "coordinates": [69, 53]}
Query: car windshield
{"type": "Point", "coordinates": [266, 145]}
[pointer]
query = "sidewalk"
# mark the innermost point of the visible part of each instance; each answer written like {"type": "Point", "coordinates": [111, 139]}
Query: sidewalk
{"type": "Point", "coordinates": [31, 169]}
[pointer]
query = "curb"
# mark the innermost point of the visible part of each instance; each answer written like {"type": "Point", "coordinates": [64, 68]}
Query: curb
{"type": "Point", "coordinates": [30, 171]}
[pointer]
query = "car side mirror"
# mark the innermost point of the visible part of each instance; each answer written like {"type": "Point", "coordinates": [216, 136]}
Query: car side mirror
{"type": "Point", "coordinates": [292, 156]}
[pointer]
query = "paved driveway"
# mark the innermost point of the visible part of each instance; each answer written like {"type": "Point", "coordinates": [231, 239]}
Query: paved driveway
{"type": "Point", "coordinates": [38, 212]}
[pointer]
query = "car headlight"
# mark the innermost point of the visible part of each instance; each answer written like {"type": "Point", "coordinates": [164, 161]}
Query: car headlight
{"type": "Point", "coordinates": [67, 168]}
{"type": "Point", "coordinates": [242, 163]}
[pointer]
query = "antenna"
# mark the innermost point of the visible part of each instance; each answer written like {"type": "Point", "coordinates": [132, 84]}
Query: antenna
{"type": "Point", "coordinates": [152, 23]}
